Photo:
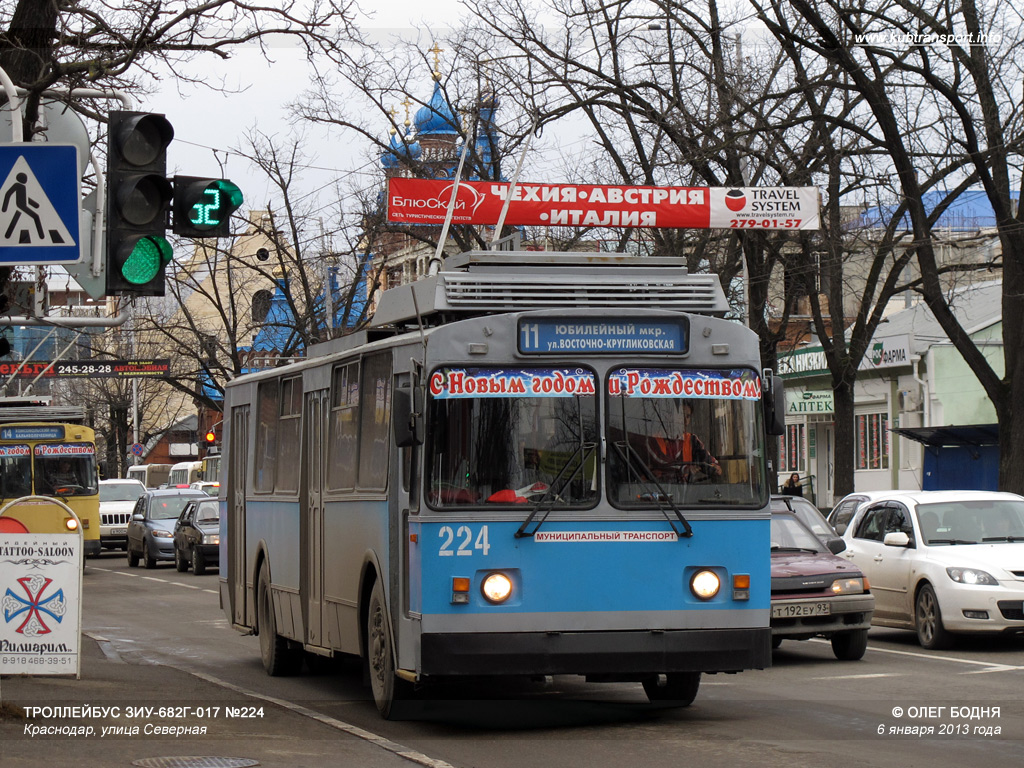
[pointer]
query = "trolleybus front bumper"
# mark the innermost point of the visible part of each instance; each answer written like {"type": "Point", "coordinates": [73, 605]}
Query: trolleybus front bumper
{"type": "Point", "coordinates": [623, 654]}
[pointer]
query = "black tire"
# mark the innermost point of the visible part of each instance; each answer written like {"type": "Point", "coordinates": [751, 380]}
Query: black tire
{"type": "Point", "coordinates": [279, 658]}
{"type": "Point", "coordinates": [179, 562]}
{"type": "Point", "coordinates": [133, 557]}
{"type": "Point", "coordinates": [850, 646]}
{"type": "Point", "coordinates": [198, 562]}
{"type": "Point", "coordinates": [931, 633]}
{"type": "Point", "coordinates": [388, 689]}
{"type": "Point", "coordinates": [679, 690]}
{"type": "Point", "coordinates": [776, 642]}
{"type": "Point", "coordinates": [147, 557]}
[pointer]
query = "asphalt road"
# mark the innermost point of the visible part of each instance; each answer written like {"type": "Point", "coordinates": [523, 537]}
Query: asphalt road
{"type": "Point", "coordinates": [953, 708]}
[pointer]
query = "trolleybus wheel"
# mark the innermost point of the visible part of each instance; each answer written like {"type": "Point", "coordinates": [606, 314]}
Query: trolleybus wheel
{"type": "Point", "coordinates": [679, 689]}
{"type": "Point", "coordinates": [279, 659]}
{"type": "Point", "coordinates": [387, 688]}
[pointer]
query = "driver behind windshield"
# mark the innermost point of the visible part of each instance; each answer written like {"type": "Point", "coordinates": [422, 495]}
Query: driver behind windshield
{"type": "Point", "coordinates": [677, 454]}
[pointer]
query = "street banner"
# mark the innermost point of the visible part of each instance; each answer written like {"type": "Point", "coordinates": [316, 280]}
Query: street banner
{"type": "Point", "coordinates": [426, 201]}
{"type": "Point", "coordinates": [92, 369]}
{"type": "Point", "coordinates": [40, 603]}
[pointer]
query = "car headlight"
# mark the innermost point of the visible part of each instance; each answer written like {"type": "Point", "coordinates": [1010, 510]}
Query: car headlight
{"type": "Point", "coordinates": [848, 586]}
{"type": "Point", "coordinates": [497, 587]}
{"type": "Point", "coordinates": [971, 576]}
{"type": "Point", "coordinates": [705, 584]}
{"type": "Point", "coordinates": [211, 538]}
{"type": "Point", "coordinates": [162, 535]}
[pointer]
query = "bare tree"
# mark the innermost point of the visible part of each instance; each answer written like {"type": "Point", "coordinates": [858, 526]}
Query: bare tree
{"type": "Point", "coordinates": [940, 81]}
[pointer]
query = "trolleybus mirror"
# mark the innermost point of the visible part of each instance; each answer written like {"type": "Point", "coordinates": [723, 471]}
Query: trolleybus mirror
{"type": "Point", "coordinates": [408, 419]}
{"type": "Point", "coordinates": [774, 405]}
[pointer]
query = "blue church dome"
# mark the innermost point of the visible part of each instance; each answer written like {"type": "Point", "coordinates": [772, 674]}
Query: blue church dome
{"type": "Point", "coordinates": [399, 148]}
{"type": "Point", "coordinates": [436, 117]}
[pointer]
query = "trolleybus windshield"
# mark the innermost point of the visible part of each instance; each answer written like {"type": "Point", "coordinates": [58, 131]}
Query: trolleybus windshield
{"type": "Point", "coordinates": [512, 436]}
{"type": "Point", "coordinates": [66, 469]}
{"type": "Point", "coordinates": [685, 437]}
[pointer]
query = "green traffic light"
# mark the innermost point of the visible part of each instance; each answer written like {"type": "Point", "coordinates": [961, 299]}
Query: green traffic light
{"type": "Point", "coordinates": [220, 199]}
{"type": "Point", "coordinates": [146, 260]}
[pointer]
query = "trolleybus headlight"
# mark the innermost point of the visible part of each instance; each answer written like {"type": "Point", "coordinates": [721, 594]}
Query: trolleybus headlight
{"type": "Point", "coordinates": [705, 584]}
{"type": "Point", "coordinates": [497, 587]}
{"type": "Point", "coordinates": [71, 524]}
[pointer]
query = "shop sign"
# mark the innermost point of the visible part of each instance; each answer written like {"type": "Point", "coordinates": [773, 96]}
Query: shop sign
{"type": "Point", "coordinates": [807, 401]}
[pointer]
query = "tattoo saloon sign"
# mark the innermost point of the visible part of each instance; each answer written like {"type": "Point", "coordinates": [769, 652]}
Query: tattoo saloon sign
{"type": "Point", "coordinates": [40, 603]}
{"type": "Point", "coordinates": [426, 201]}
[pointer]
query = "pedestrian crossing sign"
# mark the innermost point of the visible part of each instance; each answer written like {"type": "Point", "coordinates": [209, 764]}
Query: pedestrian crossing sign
{"type": "Point", "coordinates": [40, 204]}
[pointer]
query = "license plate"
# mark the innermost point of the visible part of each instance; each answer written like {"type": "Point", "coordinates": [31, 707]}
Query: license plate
{"type": "Point", "coordinates": [801, 609]}
{"type": "Point", "coordinates": [118, 531]}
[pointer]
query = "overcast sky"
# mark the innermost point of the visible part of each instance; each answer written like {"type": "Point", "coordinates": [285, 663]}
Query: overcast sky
{"type": "Point", "coordinates": [205, 120]}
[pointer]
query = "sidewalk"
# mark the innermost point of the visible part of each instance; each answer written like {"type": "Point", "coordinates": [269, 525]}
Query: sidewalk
{"type": "Point", "coordinates": [126, 698]}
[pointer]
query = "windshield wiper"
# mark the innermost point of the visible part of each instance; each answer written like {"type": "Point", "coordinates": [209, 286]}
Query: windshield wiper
{"type": "Point", "coordinates": [1004, 538]}
{"type": "Point", "coordinates": [795, 549]}
{"type": "Point", "coordinates": [950, 541]}
{"type": "Point", "coordinates": [661, 498]}
{"type": "Point", "coordinates": [553, 493]}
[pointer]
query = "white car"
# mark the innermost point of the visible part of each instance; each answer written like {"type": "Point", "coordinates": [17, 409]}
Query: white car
{"type": "Point", "coordinates": [844, 510]}
{"type": "Point", "coordinates": [942, 562]}
{"type": "Point", "coordinates": [117, 499]}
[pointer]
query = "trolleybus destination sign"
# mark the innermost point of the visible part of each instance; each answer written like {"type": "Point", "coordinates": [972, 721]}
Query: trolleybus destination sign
{"type": "Point", "coordinates": [426, 201]}
{"type": "Point", "coordinates": [602, 336]}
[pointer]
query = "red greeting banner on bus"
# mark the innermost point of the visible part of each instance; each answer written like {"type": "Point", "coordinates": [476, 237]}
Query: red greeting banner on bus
{"type": "Point", "coordinates": [426, 201]}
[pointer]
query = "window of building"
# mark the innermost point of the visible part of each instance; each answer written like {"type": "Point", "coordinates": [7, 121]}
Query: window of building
{"type": "Point", "coordinates": [260, 306]}
{"type": "Point", "coordinates": [872, 430]}
{"type": "Point", "coordinates": [793, 449]}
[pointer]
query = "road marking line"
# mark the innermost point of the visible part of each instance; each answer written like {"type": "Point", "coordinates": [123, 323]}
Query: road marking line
{"type": "Point", "coordinates": [154, 578]}
{"type": "Point", "coordinates": [186, 586]}
{"type": "Point", "coordinates": [353, 730]}
{"type": "Point", "coordinates": [991, 666]}
{"type": "Point", "coordinates": [855, 677]}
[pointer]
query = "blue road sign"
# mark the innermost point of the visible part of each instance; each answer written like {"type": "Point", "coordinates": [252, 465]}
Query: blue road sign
{"type": "Point", "coordinates": [40, 204]}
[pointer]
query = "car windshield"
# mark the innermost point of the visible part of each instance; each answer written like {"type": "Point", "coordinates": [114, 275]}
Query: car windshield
{"type": "Point", "coordinates": [788, 535]}
{"type": "Point", "coordinates": [167, 507]}
{"type": "Point", "coordinates": [121, 491]}
{"type": "Point", "coordinates": [511, 436]}
{"type": "Point", "coordinates": [207, 513]}
{"type": "Point", "coordinates": [692, 437]}
{"type": "Point", "coordinates": [812, 518]}
{"type": "Point", "coordinates": [973, 521]}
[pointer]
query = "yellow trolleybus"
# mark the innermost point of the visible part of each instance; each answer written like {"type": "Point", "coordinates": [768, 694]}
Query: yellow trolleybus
{"type": "Point", "coordinates": [41, 458]}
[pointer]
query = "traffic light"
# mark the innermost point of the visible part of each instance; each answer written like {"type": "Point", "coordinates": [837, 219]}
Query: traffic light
{"type": "Point", "coordinates": [138, 197]}
{"type": "Point", "coordinates": [203, 207]}
{"type": "Point", "coordinates": [211, 437]}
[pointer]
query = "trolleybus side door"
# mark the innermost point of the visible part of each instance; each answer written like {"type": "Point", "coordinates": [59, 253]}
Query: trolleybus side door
{"type": "Point", "coordinates": [238, 462]}
{"type": "Point", "coordinates": [317, 408]}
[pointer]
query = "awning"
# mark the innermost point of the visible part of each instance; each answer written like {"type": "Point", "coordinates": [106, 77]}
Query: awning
{"type": "Point", "coordinates": [967, 434]}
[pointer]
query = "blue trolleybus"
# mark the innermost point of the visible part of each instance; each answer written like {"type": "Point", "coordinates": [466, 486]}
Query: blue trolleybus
{"type": "Point", "coordinates": [529, 464]}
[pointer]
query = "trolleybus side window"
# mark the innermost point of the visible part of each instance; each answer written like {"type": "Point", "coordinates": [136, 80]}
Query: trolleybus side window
{"type": "Point", "coordinates": [684, 437]}
{"type": "Point", "coordinates": [267, 407]}
{"type": "Point", "coordinates": [288, 448]}
{"type": "Point", "coordinates": [344, 428]}
{"type": "Point", "coordinates": [375, 421]}
{"type": "Point", "coordinates": [512, 436]}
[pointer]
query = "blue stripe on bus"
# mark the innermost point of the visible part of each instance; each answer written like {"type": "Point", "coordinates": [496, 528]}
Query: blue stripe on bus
{"type": "Point", "coordinates": [582, 572]}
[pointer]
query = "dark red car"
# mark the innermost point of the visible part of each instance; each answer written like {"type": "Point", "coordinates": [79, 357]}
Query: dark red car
{"type": "Point", "coordinates": [814, 592]}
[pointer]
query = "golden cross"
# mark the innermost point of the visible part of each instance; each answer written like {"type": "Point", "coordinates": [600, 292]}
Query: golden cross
{"type": "Point", "coordinates": [437, 51]}
{"type": "Point", "coordinates": [407, 103]}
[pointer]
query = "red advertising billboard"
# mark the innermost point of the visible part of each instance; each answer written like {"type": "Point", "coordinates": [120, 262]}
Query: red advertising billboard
{"type": "Point", "coordinates": [426, 201]}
